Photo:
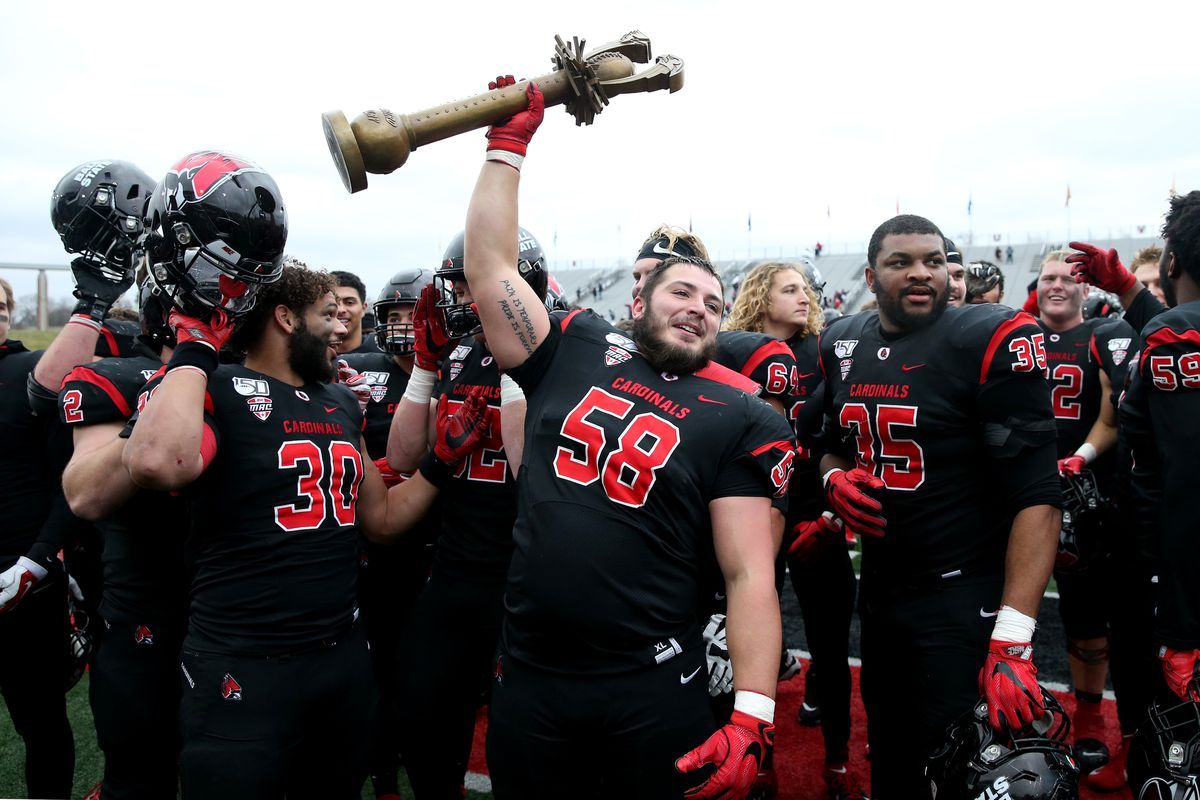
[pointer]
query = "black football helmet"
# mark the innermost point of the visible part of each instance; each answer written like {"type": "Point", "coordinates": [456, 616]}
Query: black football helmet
{"type": "Point", "coordinates": [154, 312]}
{"type": "Point", "coordinates": [1164, 757]}
{"type": "Point", "coordinates": [1033, 764]}
{"type": "Point", "coordinates": [1099, 303]}
{"type": "Point", "coordinates": [461, 319]}
{"type": "Point", "coordinates": [404, 287]}
{"type": "Point", "coordinates": [97, 211]}
{"type": "Point", "coordinates": [813, 277]}
{"type": "Point", "coordinates": [554, 295]}
{"type": "Point", "coordinates": [215, 230]}
{"type": "Point", "coordinates": [1081, 539]}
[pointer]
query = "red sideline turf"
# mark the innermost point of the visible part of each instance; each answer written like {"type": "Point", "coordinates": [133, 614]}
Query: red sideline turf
{"type": "Point", "coordinates": [799, 752]}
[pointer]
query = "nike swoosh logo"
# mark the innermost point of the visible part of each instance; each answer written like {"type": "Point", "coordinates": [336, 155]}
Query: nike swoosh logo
{"type": "Point", "coordinates": [330, 409]}
{"type": "Point", "coordinates": [804, 375]}
{"type": "Point", "coordinates": [985, 614]}
{"type": "Point", "coordinates": [910, 367]}
{"type": "Point", "coordinates": [666, 251]}
{"type": "Point", "coordinates": [704, 399]}
{"type": "Point", "coordinates": [688, 679]}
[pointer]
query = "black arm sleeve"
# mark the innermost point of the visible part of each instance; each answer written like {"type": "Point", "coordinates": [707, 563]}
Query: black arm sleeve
{"type": "Point", "coordinates": [1145, 307]}
{"type": "Point", "coordinates": [42, 401]}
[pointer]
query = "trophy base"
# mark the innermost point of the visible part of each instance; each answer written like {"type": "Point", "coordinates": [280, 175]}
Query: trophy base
{"type": "Point", "coordinates": [344, 149]}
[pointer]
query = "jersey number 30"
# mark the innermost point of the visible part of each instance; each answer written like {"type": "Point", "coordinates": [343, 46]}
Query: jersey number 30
{"type": "Point", "coordinates": [627, 474]}
{"type": "Point", "coordinates": [318, 497]}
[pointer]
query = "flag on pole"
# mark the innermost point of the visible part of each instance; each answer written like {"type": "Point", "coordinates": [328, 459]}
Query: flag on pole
{"type": "Point", "coordinates": [748, 226]}
{"type": "Point", "coordinates": [970, 203]}
{"type": "Point", "coordinates": [897, 206]}
{"type": "Point", "coordinates": [828, 212]}
{"type": "Point", "coordinates": [689, 223]}
{"type": "Point", "coordinates": [1068, 204]}
{"type": "Point", "coordinates": [1173, 192]}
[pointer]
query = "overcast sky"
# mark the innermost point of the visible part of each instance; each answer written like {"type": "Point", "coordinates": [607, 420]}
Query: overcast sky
{"type": "Point", "coordinates": [813, 120]}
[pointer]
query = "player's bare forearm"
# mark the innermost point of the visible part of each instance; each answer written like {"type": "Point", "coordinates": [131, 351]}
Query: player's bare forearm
{"type": "Point", "coordinates": [514, 318]}
{"type": "Point", "coordinates": [830, 461]}
{"type": "Point", "coordinates": [512, 433]}
{"type": "Point", "coordinates": [408, 437]}
{"type": "Point", "coordinates": [74, 345]}
{"type": "Point", "coordinates": [1032, 544]}
{"type": "Point", "coordinates": [745, 549]}
{"type": "Point", "coordinates": [94, 482]}
{"type": "Point", "coordinates": [1103, 434]}
{"type": "Point", "coordinates": [163, 453]}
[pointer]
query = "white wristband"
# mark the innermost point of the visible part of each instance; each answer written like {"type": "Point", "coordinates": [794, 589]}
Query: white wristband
{"type": "Point", "coordinates": [84, 319]}
{"type": "Point", "coordinates": [509, 391]}
{"type": "Point", "coordinates": [505, 157]}
{"type": "Point", "coordinates": [825, 477]}
{"type": "Point", "coordinates": [420, 386]}
{"type": "Point", "coordinates": [1013, 626]}
{"type": "Point", "coordinates": [756, 705]}
{"type": "Point", "coordinates": [1088, 452]}
{"type": "Point", "coordinates": [32, 567]}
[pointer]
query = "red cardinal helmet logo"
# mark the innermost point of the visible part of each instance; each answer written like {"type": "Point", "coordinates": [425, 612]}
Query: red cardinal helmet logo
{"type": "Point", "coordinates": [230, 688]}
{"type": "Point", "coordinates": [203, 172]}
{"type": "Point", "coordinates": [143, 635]}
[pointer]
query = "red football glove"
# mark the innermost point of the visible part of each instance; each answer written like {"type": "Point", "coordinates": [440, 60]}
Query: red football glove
{"type": "Point", "coordinates": [18, 581]}
{"type": "Point", "coordinates": [214, 333]}
{"type": "Point", "coordinates": [1100, 268]}
{"type": "Point", "coordinates": [813, 536]}
{"type": "Point", "coordinates": [513, 134]}
{"type": "Point", "coordinates": [849, 493]}
{"type": "Point", "coordinates": [389, 475]}
{"type": "Point", "coordinates": [356, 382]}
{"type": "Point", "coordinates": [1181, 668]}
{"type": "Point", "coordinates": [430, 339]}
{"type": "Point", "coordinates": [737, 750]}
{"type": "Point", "coordinates": [1071, 465]}
{"type": "Point", "coordinates": [1008, 682]}
{"type": "Point", "coordinates": [459, 434]}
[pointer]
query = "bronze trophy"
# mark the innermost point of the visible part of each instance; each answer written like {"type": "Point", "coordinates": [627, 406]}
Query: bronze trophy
{"type": "Point", "coordinates": [379, 141]}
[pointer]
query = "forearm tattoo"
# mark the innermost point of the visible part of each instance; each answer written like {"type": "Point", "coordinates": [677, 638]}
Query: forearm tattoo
{"type": "Point", "coordinates": [518, 318]}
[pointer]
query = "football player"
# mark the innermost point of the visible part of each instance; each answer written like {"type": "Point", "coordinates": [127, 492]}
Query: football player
{"type": "Point", "coordinates": [352, 307]}
{"type": "Point", "coordinates": [134, 685]}
{"type": "Point", "coordinates": [456, 624]}
{"type": "Point", "coordinates": [643, 461]}
{"type": "Point", "coordinates": [1145, 269]}
{"type": "Point", "coordinates": [958, 275]}
{"type": "Point", "coordinates": [777, 299]}
{"type": "Point", "coordinates": [1158, 415]}
{"type": "Point", "coordinates": [1084, 359]}
{"type": "Point", "coordinates": [942, 460]}
{"type": "Point", "coordinates": [278, 693]}
{"type": "Point", "coordinates": [393, 572]}
{"type": "Point", "coordinates": [95, 208]}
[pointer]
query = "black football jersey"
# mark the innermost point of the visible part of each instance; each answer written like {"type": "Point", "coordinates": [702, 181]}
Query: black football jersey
{"type": "Point", "coordinates": [613, 536]}
{"type": "Point", "coordinates": [805, 498]}
{"type": "Point", "coordinates": [936, 414]}
{"type": "Point", "coordinates": [1160, 416]}
{"type": "Point", "coordinates": [143, 554]}
{"type": "Point", "coordinates": [763, 359]}
{"type": "Point", "coordinates": [25, 471]}
{"type": "Point", "coordinates": [1074, 360]}
{"type": "Point", "coordinates": [388, 381]}
{"type": "Point", "coordinates": [273, 546]}
{"type": "Point", "coordinates": [477, 507]}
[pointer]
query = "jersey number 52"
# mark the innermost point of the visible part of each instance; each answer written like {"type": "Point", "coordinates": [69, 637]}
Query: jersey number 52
{"type": "Point", "coordinates": [627, 472]}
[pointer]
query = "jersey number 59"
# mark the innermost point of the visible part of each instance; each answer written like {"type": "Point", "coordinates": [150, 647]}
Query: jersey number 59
{"type": "Point", "coordinates": [644, 446]}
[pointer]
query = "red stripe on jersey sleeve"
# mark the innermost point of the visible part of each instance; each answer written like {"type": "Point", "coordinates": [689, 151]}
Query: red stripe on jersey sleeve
{"type": "Point", "coordinates": [1092, 347]}
{"type": "Point", "coordinates": [999, 336]}
{"type": "Point", "coordinates": [208, 446]}
{"type": "Point", "coordinates": [565, 321]}
{"type": "Point", "coordinates": [719, 374]}
{"type": "Point", "coordinates": [775, 348]}
{"type": "Point", "coordinates": [782, 444]}
{"type": "Point", "coordinates": [1166, 336]}
{"type": "Point", "coordinates": [113, 349]}
{"type": "Point", "coordinates": [104, 384]}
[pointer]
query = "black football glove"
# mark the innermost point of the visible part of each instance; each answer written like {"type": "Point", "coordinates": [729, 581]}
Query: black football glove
{"type": "Point", "coordinates": [97, 289]}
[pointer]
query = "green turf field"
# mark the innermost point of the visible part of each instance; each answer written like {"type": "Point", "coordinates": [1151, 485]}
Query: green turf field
{"type": "Point", "coordinates": [34, 339]}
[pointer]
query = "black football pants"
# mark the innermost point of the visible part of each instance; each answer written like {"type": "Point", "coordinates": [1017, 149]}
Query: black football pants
{"type": "Point", "coordinates": [134, 691]}
{"type": "Point", "coordinates": [826, 587]}
{"type": "Point", "coordinates": [33, 673]}
{"type": "Point", "coordinates": [552, 736]}
{"type": "Point", "coordinates": [295, 726]}
{"type": "Point", "coordinates": [449, 656]}
{"type": "Point", "coordinates": [922, 649]}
